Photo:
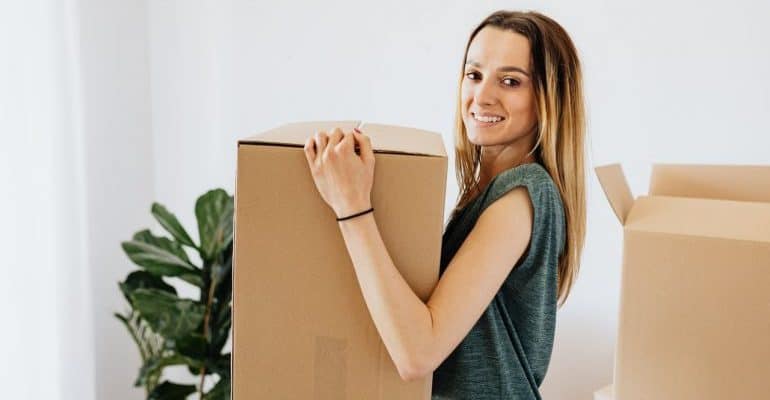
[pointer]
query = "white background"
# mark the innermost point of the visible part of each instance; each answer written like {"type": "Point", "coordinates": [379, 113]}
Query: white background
{"type": "Point", "coordinates": [108, 105]}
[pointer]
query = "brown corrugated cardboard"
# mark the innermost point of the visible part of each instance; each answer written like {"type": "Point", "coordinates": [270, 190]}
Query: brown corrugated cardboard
{"type": "Point", "coordinates": [301, 328]}
{"type": "Point", "coordinates": [694, 317]}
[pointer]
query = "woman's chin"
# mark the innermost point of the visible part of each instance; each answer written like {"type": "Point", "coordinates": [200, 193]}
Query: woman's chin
{"type": "Point", "coordinates": [480, 135]}
{"type": "Point", "coordinates": [476, 138]}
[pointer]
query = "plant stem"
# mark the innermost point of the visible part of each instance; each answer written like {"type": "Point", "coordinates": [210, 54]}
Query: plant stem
{"type": "Point", "coordinates": [206, 318]}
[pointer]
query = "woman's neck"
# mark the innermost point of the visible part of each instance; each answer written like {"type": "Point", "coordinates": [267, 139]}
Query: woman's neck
{"type": "Point", "coordinates": [491, 169]}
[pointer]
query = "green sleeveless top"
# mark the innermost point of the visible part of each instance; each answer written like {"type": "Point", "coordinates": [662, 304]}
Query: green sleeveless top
{"type": "Point", "coordinates": [506, 353]}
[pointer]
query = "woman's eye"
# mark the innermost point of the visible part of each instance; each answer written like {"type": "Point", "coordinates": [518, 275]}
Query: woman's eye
{"type": "Point", "coordinates": [508, 81]}
{"type": "Point", "coordinates": [514, 82]}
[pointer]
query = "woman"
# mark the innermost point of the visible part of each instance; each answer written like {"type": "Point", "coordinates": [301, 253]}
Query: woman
{"type": "Point", "coordinates": [511, 249]}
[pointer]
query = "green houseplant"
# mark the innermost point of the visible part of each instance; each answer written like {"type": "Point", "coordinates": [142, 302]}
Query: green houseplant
{"type": "Point", "coordinates": [170, 330]}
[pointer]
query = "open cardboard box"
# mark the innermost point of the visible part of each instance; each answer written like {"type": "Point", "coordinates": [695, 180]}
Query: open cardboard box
{"type": "Point", "coordinates": [694, 317]}
{"type": "Point", "coordinates": [301, 328]}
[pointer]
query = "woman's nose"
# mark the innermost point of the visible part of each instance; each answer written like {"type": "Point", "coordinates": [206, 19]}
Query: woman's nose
{"type": "Point", "coordinates": [484, 92]}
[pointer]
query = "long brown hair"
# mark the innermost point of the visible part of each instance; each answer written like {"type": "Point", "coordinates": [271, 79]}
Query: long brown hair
{"type": "Point", "coordinates": [558, 89]}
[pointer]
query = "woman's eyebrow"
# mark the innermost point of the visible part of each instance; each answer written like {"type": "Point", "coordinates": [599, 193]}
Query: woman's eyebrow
{"type": "Point", "coordinates": [507, 68]}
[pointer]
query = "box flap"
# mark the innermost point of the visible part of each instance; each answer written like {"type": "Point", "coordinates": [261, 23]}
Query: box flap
{"type": "Point", "coordinates": [725, 219]}
{"type": "Point", "coordinates": [385, 138]}
{"type": "Point", "coordinates": [294, 134]}
{"type": "Point", "coordinates": [616, 189]}
{"type": "Point", "coordinates": [401, 139]}
{"type": "Point", "coordinates": [727, 182]}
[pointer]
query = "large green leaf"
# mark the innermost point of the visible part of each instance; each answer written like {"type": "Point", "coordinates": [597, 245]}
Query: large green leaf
{"type": "Point", "coordinates": [192, 278]}
{"type": "Point", "coordinates": [143, 280]}
{"type": "Point", "coordinates": [192, 346]}
{"type": "Point", "coordinates": [160, 261]}
{"type": "Point", "coordinates": [171, 224]}
{"type": "Point", "coordinates": [171, 391]}
{"type": "Point", "coordinates": [214, 211]}
{"type": "Point", "coordinates": [166, 313]}
{"type": "Point", "coordinates": [162, 242]}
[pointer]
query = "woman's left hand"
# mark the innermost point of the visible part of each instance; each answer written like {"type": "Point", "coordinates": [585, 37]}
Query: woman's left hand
{"type": "Point", "coordinates": [343, 178]}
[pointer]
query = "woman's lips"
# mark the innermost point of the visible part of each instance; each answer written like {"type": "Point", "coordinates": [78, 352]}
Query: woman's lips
{"type": "Point", "coordinates": [481, 124]}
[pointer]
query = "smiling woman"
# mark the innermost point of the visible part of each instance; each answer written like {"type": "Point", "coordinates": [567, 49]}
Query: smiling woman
{"type": "Point", "coordinates": [519, 126]}
{"type": "Point", "coordinates": [510, 251]}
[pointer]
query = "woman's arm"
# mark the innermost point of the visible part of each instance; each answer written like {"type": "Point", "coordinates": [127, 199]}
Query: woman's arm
{"type": "Point", "coordinates": [417, 335]}
{"type": "Point", "coordinates": [420, 336]}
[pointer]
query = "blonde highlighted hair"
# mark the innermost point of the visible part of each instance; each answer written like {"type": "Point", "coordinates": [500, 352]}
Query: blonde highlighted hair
{"type": "Point", "coordinates": [557, 83]}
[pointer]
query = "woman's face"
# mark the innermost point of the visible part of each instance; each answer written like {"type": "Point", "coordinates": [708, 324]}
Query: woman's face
{"type": "Point", "coordinates": [497, 84]}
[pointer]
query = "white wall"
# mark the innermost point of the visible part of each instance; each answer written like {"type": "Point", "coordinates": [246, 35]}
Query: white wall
{"type": "Point", "coordinates": [119, 173]}
{"type": "Point", "coordinates": [668, 82]}
{"type": "Point", "coordinates": [44, 279]}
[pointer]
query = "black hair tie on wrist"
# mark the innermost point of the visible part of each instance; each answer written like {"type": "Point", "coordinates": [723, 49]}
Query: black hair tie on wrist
{"type": "Point", "coordinates": [355, 215]}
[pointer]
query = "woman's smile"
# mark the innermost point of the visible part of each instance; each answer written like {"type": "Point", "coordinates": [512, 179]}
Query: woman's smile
{"type": "Point", "coordinates": [486, 122]}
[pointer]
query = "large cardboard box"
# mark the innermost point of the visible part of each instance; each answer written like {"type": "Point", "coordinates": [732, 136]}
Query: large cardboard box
{"type": "Point", "coordinates": [301, 328]}
{"type": "Point", "coordinates": [694, 317]}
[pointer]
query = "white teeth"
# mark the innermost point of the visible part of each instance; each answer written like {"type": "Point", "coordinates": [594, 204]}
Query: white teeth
{"type": "Point", "coordinates": [487, 119]}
